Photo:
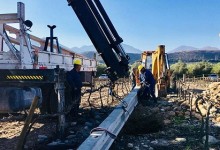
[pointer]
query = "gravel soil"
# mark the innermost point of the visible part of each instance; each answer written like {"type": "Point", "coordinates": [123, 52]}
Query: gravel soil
{"type": "Point", "coordinates": [161, 126]}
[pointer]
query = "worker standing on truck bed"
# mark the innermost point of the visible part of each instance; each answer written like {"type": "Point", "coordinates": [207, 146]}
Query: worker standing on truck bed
{"type": "Point", "coordinates": [75, 82]}
{"type": "Point", "coordinates": [146, 77]}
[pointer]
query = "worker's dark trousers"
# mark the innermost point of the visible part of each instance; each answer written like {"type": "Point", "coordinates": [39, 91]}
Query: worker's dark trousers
{"type": "Point", "coordinates": [76, 98]}
{"type": "Point", "coordinates": [152, 92]}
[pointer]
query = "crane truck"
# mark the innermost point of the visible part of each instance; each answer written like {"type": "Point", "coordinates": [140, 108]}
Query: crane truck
{"type": "Point", "coordinates": [28, 69]}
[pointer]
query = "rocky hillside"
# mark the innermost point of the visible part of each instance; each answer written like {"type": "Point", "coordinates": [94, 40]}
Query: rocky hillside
{"type": "Point", "coordinates": [184, 53]}
{"type": "Point", "coordinates": [127, 48]}
{"type": "Point", "coordinates": [190, 48]}
{"type": "Point", "coordinates": [133, 57]}
{"type": "Point", "coordinates": [185, 56]}
{"type": "Point", "coordinates": [195, 56]}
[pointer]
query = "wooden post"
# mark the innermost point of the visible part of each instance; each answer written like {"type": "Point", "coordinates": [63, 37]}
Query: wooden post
{"type": "Point", "coordinates": [185, 93]}
{"type": "Point", "coordinates": [184, 77]}
{"type": "Point", "coordinates": [177, 88]}
{"type": "Point", "coordinates": [209, 106]}
{"type": "Point", "coordinates": [190, 103]}
{"type": "Point", "coordinates": [181, 92]}
{"type": "Point", "coordinates": [20, 143]}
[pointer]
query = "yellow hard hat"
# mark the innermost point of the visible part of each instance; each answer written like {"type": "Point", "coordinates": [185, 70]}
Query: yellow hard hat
{"type": "Point", "coordinates": [77, 62]}
{"type": "Point", "coordinates": [140, 67]}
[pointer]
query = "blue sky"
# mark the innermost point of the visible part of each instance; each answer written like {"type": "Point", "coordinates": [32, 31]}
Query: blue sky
{"type": "Point", "coordinates": [143, 24]}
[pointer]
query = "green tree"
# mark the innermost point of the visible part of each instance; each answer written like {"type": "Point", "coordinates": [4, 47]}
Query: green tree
{"type": "Point", "coordinates": [101, 69]}
{"type": "Point", "coordinates": [190, 68]}
{"type": "Point", "coordinates": [200, 68]}
{"type": "Point", "coordinates": [179, 69]}
{"type": "Point", "coordinates": [216, 68]}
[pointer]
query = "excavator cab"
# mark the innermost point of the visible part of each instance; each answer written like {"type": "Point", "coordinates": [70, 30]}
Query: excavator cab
{"type": "Point", "coordinates": [157, 62]}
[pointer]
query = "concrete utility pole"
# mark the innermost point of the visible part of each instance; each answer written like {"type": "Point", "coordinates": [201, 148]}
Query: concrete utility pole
{"type": "Point", "coordinates": [59, 87]}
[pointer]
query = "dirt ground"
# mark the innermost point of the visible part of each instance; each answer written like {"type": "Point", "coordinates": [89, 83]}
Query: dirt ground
{"type": "Point", "coordinates": [165, 125]}
{"type": "Point", "coordinates": [44, 130]}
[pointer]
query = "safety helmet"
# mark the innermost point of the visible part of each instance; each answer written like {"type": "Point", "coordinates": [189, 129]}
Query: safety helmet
{"type": "Point", "coordinates": [140, 67]}
{"type": "Point", "coordinates": [77, 62]}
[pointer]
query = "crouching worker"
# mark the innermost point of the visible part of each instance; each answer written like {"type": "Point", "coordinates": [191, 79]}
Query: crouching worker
{"type": "Point", "coordinates": [75, 83]}
{"type": "Point", "coordinates": [146, 78]}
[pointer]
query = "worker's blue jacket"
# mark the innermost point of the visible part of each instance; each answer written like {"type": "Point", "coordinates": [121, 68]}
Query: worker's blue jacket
{"type": "Point", "coordinates": [74, 79]}
{"type": "Point", "coordinates": [147, 77]}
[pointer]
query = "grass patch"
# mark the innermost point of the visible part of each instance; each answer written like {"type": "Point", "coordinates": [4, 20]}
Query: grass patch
{"type": "Point", "coordinates": [178, 120]}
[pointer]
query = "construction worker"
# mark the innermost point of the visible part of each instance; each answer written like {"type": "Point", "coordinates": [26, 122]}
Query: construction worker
{"type": "Point", "coordinates": [75, 82]}
{"type": "Point", "coordinates": [146, 77]}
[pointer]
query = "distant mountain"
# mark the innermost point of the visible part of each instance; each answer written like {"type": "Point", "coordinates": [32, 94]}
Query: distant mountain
{"type": "Point", "coordinates": [131, 49]}
{"type": "Point", "coordinates": [195, 56]}
{"type": "Point", "coordinates": [184, 53]}
{"type": "Point", "coordinates": [133, 56]}
{"type": "Point", "coordinates": [127, 48]}
{"type": "Point", "coordinates": [83, 49]}
{"type": "Point", "coordinates": [90, 54]}
{"type": "Point", "coordinates": [185, 56]}
{"type": "Point", "coordinates": [184, 48]}
{"type": "Point", "coordinates": [209, 48]}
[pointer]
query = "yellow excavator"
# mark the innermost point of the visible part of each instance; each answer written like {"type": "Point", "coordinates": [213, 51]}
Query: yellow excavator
{"type": "Point", "coordinates": [157, 62]}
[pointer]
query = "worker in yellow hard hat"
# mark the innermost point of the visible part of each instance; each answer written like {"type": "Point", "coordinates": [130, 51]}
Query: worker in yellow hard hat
{"type": "Point", "coordinates": [147, 78]}
{"type": "Point", "coordinates": [75, 83]}
{"type": "Point", "coordinates": [77, 62]}
{"type": "Point", "coordinates": [140, 67]}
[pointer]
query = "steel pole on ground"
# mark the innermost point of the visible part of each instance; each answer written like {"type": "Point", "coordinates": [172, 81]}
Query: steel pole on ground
{"type": "Point", "coordinates": [102, 137]}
